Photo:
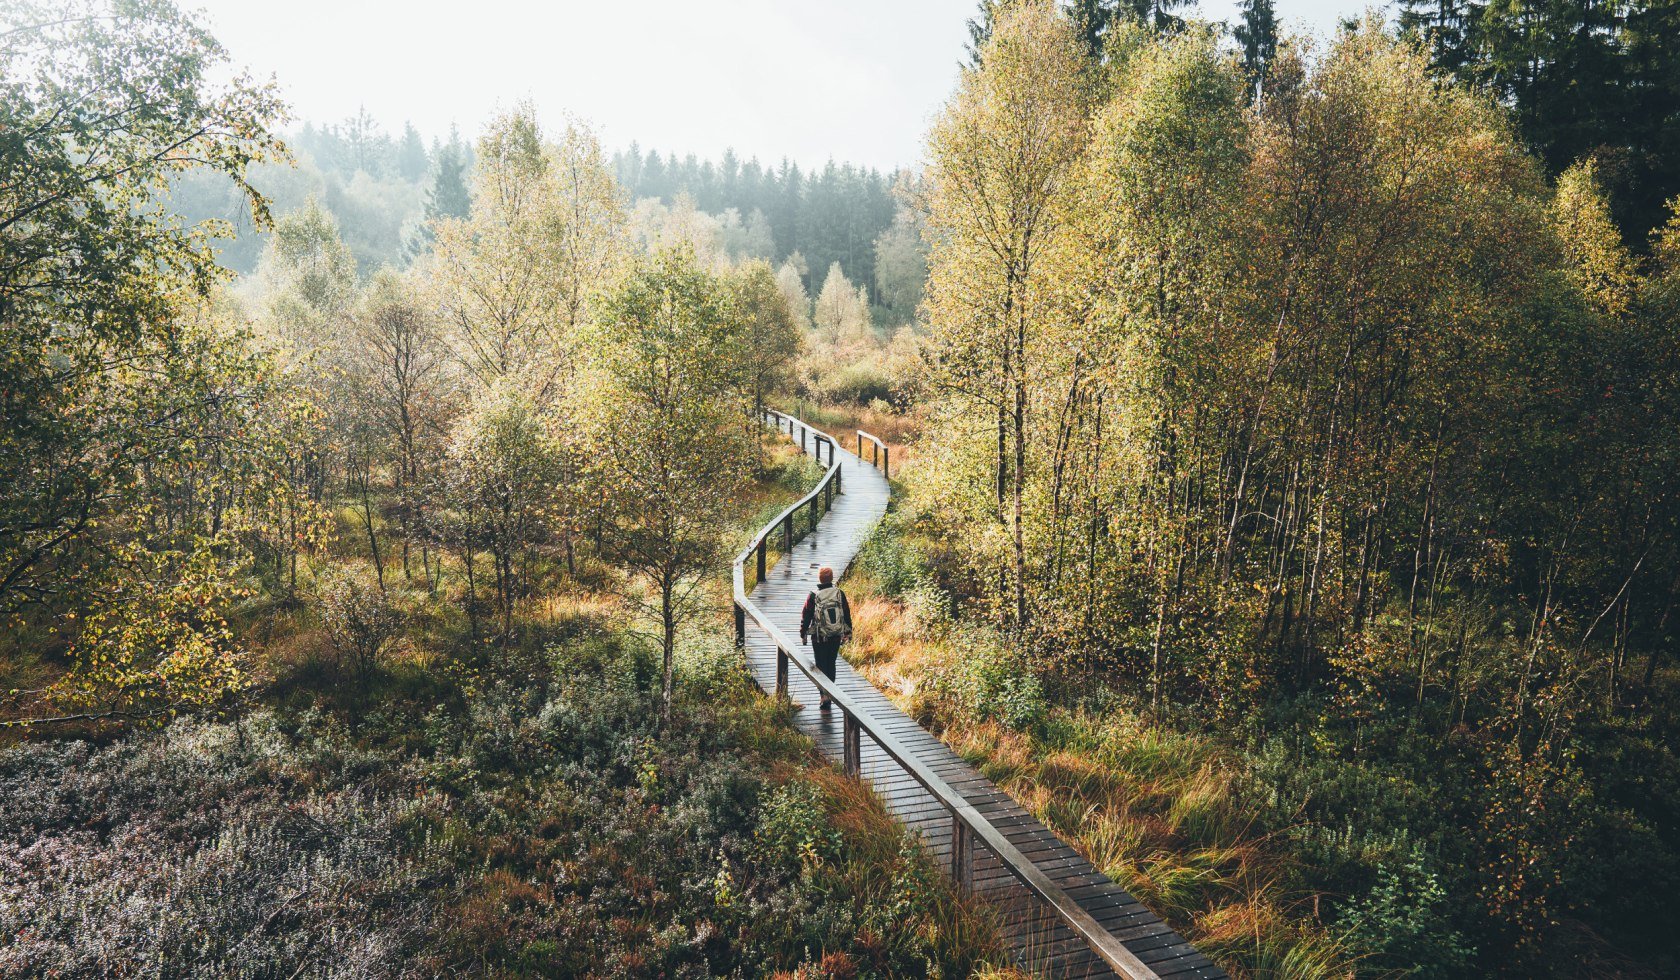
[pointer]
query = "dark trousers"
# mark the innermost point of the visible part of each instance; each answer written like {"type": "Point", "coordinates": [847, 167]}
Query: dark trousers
{"type": "Point", "coordinates": [825, 652]}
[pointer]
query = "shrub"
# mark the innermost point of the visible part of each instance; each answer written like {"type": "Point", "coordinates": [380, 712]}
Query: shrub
{"type": "Point", "coordinates": [794, 826]}
{"type": "Point", "coordinates": [360, 621]}
{"type": "Point", "coordinates": [546, 826]}
{"type": "Point", "coordinates": [1404, 920]}
{"type": "Point", "coordinates": [859, 383]}
{"type": "Point", "coordinates": [989, 682]}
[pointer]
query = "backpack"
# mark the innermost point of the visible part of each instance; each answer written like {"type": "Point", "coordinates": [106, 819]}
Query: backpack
{"type": "Point", "coordinates": [828, 616]}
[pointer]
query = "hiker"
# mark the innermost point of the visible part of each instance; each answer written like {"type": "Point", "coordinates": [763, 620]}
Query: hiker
{"type": "Point", "coordinates": [825, 624]}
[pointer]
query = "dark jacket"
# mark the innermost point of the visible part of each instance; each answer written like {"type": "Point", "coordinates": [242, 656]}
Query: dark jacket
{"type": "Point", "coordinates": [811, 610]}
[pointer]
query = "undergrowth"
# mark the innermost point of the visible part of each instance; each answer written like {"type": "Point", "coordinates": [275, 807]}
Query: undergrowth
{"type": "Point", "coordinates": [545, 829]}
{"type": "Point", "coordinates": [1167, 815]}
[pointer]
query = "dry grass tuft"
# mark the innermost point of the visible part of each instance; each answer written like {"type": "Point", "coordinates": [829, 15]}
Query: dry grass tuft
{"type": "Point", "coordinates": [1157, 811]}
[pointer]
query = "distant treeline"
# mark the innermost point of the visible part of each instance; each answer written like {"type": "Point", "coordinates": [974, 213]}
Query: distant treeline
{"type": "Point", "coordinates": [830, 215]}
{"type": "Point", "coordinates": [384, 188]}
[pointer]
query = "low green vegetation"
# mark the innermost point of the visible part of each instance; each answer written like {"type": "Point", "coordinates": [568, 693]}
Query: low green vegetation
{"type": "Point", "coordinates": [530, 817]}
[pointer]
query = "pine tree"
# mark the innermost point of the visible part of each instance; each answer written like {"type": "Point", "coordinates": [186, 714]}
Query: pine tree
{"type": "Point", "coordinates": [1444, 27]}
{"type": "Point", "coordinates": [368, 147]}
{"type": "Point", "coordinates": [448, 197]}
{"type": "Point", "coordinates": [1257, 36]}
{"type": "Point", "coordinates": [411, 157]}
{"type": "Point", "coordinates": [980, 31]}
{"type": "Point", "coordinates": [1157, 15]}
{"type": "Point", "coordinates": [1090, 21]}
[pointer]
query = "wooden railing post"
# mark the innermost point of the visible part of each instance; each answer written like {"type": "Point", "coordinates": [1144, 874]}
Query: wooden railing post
{"type": "Point", "coordinates": [787, 535]}
{"type": "Point", "coordinates": [781, 673]}
{"type": "Point", "coordinates": [962, 854]}
{"type": "Point", "coordinates": [740, 626]}
{"type": "Point", "coordinates": [802, 434]}
{"type": "Point", "coordinates": [886, 461]}
{"type": "Point", "coordinates": [860, 443]}
{"type": "Point", "coordinates": [813, 515]}
{"type": "Point", "coordinates": [761, 559]}
{"type": "Point", "coordinates": [853, 745]}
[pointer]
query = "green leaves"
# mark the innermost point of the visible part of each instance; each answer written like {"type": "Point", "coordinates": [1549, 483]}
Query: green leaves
{"type": "Point", "coordinates": [104, 104]}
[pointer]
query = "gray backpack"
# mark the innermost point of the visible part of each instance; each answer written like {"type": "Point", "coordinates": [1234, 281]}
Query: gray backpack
{"type": "Point", "coordinates": [828, 616]}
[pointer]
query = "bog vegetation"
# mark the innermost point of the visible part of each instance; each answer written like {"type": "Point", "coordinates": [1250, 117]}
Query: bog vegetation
{"type": "Point", "coordinates": [1284, 432]}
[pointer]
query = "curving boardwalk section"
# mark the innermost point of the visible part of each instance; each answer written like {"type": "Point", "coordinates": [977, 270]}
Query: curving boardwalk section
{"type": "Point", "coordinates": [1040, 936]}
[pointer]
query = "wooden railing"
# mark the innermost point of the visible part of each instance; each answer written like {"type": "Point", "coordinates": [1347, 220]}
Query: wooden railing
{"type": "Point", "coordinates": [968, 825]}
{"type": "Point", "coordinates": [881, 456]}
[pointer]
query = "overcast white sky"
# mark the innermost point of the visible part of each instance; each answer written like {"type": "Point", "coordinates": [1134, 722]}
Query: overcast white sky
{"type": "Point", "coordinates": [854, 80]}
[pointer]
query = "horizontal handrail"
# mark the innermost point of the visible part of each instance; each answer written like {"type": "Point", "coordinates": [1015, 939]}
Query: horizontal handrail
{"type": "Point", "coordinates": [965, 818]}
{"type": "Point", "coordinates": [882, 456]}
{"type": "Point", "coordinates": [831, 476]}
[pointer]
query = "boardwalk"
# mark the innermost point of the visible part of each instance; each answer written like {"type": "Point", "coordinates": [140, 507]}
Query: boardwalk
{"type": "Point", "coordinates": [1040, 939]}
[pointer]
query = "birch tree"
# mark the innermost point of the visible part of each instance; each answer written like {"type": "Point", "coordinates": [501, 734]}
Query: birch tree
{"type": "Point", "coordinates": [662, 420]}
{"type": "Point", "coordinates": [1003, 153]}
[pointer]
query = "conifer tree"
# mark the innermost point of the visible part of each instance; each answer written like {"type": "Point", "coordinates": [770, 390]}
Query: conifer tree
{"type": "Point", "coordinates": [448, 196]}
{"type": "Point", "coordinates": [1256, 34]}
{"type": "Point", "coordinates": [411, 155]}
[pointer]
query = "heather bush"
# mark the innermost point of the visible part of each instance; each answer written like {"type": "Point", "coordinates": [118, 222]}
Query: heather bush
{"type": "Point", "coordinates": [205, 849]}
{"type": "Point", "coordinates": [546, 825]}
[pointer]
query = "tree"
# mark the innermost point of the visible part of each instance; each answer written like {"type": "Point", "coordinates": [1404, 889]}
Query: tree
{"type": "Point", "coordinates": [591, 248]}
{"type": "Point", "coordinates": [770, 337]}
{"type": "Point", "coordinates": [980, 31]}
{"type": "Point", "coordinates": [841, 315]}
{"type": "Point", "coordinates": [1445, 28]}
{"type": "Point", "coordinates": [308, 279]}
{"type": "Point", "coordinates": [493, 273]}
{"type": "Point", "coordinates": [447, 197]}
{"type": "Point", "coordinates": [96, 271]}
{"type": "Point", "coordinates": [1602, 268]}
{"type": "Point", "coordinates": [450, 196]}
{"type": "Point", "coordinates": [1582, 77]}
{"type": "Point", "coordinates": [1257, 36]}
{"type": "Point", "coordinates": [411, 155]}
{"type": "Point", "coordinates": [368, 148]}
{"type": "Point", "coordinates": [901, 264]}
{"type": "Point", "coordinates": [503, 471]}
{"type": "Point", "coordinates": [790, 279]}
{"type": "Point", "coordinates": [1090, 23]}
{"type": "Point", "coordinates": [663, 424]}
{"type": "Point", "coordinates": [1156, 15]}
{"type": "Point", "coordinates": [404, 390]}
{"type": "Point", "coordinates": [1002, 154]}
{"type": "Point", "coordinates": [514, 279]}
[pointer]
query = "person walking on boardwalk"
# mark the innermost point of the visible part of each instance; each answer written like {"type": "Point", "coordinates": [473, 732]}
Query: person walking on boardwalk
{"type": "Point", "coordinates": [825, 624]}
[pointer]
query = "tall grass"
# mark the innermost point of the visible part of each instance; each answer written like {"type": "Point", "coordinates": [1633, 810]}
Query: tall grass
{"type": "Point", "coordinates": [1161, 812]}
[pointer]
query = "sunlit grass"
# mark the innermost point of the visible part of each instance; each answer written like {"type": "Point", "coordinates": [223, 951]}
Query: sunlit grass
{"type": "Point", "coordinates": [1158, 811]}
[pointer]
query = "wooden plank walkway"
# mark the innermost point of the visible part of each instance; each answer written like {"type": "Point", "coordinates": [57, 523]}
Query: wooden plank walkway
{"type": "Point", "coordinates": [1040, 940]}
